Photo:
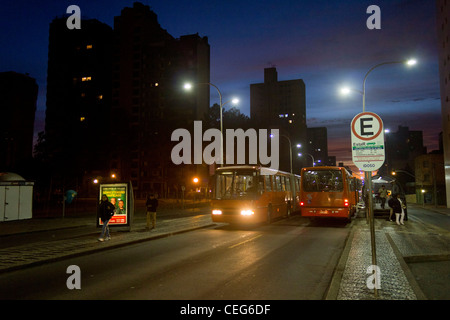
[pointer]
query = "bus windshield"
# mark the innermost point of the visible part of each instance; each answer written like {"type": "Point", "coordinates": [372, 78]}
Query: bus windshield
{"type": "Point", "coordinates": [322, 180]}
{"type": "Point", "coordinates": [242, 184]}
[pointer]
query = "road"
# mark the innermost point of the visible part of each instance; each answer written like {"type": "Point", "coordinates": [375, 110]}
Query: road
{"type": "Point", "coordinates": [289, 259]}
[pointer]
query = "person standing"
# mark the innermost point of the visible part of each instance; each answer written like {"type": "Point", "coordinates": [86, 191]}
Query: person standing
{"type": "Point", "coordinates": [398, 208]}
{"type": "Point", "coordinates": [382, 193]}
{"type": "Point", "coordinates": [152, 205]}
{"type": "Point", "coordinates": [105, 212]}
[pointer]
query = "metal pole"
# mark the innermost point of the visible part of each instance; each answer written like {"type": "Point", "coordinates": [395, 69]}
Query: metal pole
{"type": "Point", "coordinates": [368, 179]}
{"type": "Point", "coordinates": [372, 228]}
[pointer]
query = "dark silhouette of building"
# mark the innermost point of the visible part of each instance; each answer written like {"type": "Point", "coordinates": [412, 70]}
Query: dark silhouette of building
{"type": "Point", "coordinates": [443, 35]}
{"type": "Point", "coordinates": [317, 146]}
{"type": "Point", "coordinates": [18, 106]}
{"type": "Point", "coordinates": [78, 101]}
{"type": "Point", "coordinates": [402, 147]}
{"type": "Point", "coordinates": [148, 102]}
{"type": "Point", "coordinates": [280, 105]}
{"type": "Point", "coordinates": [430, 178]}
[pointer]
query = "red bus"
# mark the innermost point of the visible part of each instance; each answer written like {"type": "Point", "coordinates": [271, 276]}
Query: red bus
{"type": "Point", "coordinates": [329, 192]}
{"type": "Point", "coordinates": [253, 194]}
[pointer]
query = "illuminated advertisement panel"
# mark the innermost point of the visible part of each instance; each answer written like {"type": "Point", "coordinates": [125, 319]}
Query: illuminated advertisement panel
{"type": "Point", "coordinates": [117, 194]}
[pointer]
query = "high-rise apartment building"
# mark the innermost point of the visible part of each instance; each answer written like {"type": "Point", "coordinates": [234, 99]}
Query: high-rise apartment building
{"type": "Point", "coordinates": [114, 96]}
{"type": "Point", "coordinates": [443, 31]}
{"type": "Point", "coordinates": [402, 147]}
{"type": "Point", "coordinates": [148, 100]}
{"type": "Point", "coordinates": [78, 100]}
{"type": "Point", "coordinates": [316, 147]}
{"type": "Point", "coordinates": [18, 94]}
{"type": "Point", "coordinates": [280, 105]}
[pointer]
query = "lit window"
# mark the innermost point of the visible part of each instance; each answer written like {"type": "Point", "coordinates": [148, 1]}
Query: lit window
{"type": "Point", "coordinates": [100, 97]}
{"type": "Point", "coordinates": [290, 121]}
{"type": "Point", "coordinates": [82, 119]}
{"type": "Point", "coordinates": [86, 79]}
{"type": "Point", "coordinates": [89, 46]}
{"type": "Point", "coordinates": [156, 84]}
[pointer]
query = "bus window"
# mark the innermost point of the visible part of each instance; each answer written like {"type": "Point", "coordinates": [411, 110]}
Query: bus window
{"type": "Point", "coordinates": [237, 184]}
{"type": "Point", "coordinates": [277, 183]}
{"type": "Point", "coordinates": [268, 183]}
{"type": "Point", "coordinates": [288, 183]}
{"type": "Point", "coordinates": [283, 183]}
{"type": "Point", "coordinates": [323, 180]}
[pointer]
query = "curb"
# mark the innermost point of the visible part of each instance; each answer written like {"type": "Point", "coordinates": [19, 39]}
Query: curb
{"type": "Point", "coordinates": [335, 284]}
{"type": "Point", "coordinates": [408, 274]}
{"type": "Point", "coordinates": [109, 246]}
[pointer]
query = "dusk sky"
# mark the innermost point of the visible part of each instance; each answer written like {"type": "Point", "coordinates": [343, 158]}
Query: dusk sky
{"type": "Point", "coordinates": [325, 43]}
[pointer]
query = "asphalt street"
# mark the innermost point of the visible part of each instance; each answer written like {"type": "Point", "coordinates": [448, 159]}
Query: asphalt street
{"type": "Point", "coordinates": [290, 259]}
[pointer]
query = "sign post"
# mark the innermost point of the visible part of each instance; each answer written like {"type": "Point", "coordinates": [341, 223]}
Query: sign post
{"type": "Point", "coordinates": [368, 154]}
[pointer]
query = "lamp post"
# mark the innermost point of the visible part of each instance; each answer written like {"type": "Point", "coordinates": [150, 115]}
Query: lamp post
{"type": "Point", "coordinates": [308, 154]}
{"type": "Point", "coordinates": [292, 180]}
{"type": "Point", "coordinates": [188, 86]}
{"type": "Point", "coordinates": [367, 174]}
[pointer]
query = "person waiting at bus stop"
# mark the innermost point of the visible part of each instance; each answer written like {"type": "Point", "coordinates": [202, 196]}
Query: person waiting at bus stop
{"type": "Point", "coordinates": [382, 193]}
{"type": "Point", "coordinates": [105, 212]}
{"type": "Point", "coordinates": [152, 205]}
{"type": "Point", "coordinates": [398, 208]}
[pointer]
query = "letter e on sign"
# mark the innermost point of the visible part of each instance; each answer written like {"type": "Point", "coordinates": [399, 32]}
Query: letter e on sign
{"type": "Point", "coordinates": [367, 141]}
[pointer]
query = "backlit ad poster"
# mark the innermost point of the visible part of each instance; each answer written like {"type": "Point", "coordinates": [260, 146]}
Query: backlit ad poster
{"type": "Point", "coordinates": [118, 195]}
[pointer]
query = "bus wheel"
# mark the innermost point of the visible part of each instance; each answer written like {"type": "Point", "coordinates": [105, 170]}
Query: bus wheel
{"type": "Point", "coordinates": [269, 214]}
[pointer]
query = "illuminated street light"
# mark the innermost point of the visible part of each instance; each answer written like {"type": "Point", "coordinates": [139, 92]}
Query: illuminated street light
{"type": "Point", "coordinates": [411, 62]}
{"type": "Point", "coordinates": [189, 86]}
{"type": "Point", "coordinates": [368, 175]}
{"type": "Point", "coordinates": [195, 180]}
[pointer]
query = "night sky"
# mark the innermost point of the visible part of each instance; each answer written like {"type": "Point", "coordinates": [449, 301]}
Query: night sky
{"type": "Point", "coordinates": [325, 43]}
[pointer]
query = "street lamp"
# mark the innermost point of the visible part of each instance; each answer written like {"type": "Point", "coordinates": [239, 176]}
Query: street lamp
{"type": "Point", "coordinates": [313, 162]}
{"type": "Point", "coordinates": [189, 86]}
{"type": "Point", "coordinates": [367, 174]}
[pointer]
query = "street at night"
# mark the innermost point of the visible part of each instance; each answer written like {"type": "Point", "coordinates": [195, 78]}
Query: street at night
{"type": "Point", "coordinates": [291, 259]}
{"type": "Point", "coordinates": [223, 158]}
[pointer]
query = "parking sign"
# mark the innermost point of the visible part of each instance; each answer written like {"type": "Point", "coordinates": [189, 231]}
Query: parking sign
{"type": "Point", "coordinates": [368, 152]}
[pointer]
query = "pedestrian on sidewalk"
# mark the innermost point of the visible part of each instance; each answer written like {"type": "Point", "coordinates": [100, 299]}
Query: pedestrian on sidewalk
{"type": "Point", "coordinates": [105, 212]}
{"type": "Point", "coordinates": [382, 192]}
{"type": "Point", "coordinates": [398, 208]}
{"type": "Point", "coordinates": [152, 205]}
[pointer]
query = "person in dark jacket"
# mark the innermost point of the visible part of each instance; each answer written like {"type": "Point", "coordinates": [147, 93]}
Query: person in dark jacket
{"type": "Point", "coordinates": [152, 204]}
{"type": "Point", "coordinates": [105, 212]}
{"type": "Point", "coordinates": [398, 208]}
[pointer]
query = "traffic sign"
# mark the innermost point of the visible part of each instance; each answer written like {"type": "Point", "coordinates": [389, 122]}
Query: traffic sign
{"type": "Point", "coordinates": [368, 152]}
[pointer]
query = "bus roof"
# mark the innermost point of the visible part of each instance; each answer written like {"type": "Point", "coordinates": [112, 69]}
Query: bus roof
{"type": "Point", "coordinates": [326, 168]}
{"type": "Point", "coordinates": [261, 169]}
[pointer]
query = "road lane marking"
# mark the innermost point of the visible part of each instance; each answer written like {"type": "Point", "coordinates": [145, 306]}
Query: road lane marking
{"type": "Point", "coordinates": [242, 242]}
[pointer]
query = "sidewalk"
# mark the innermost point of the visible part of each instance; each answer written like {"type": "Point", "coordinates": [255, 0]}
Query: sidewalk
{"type": "Point", "coordinates": [35, 253]}
{"type": "Point", "coordinates": [395, 247]}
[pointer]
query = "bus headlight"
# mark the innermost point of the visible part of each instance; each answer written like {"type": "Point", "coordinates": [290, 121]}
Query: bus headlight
{"type": "Point", "coordinates": [247, 212]}
{"type": "Point", "coordinates": [217, 212]}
